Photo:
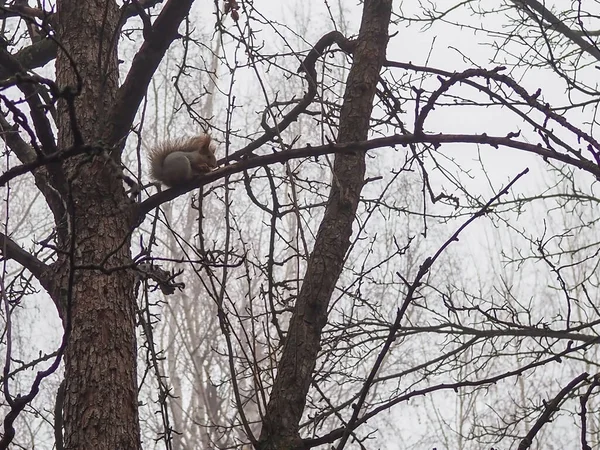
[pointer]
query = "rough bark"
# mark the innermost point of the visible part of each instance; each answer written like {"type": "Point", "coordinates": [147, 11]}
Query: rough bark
{"type": "Point", "coordinates": [288, 397]}
{"type": "Point", "coordinates": [100, 406]}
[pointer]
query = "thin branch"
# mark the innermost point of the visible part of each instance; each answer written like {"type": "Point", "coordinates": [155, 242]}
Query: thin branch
{"type": "Point", "coordinates": [550, 409]}
{"type": "Point", "coordinates": [559, 26]}
{"type": "Point", "coordinates": [41, 123]}
{"type": "Point", "coordinates": [412, 289]}
{"type": "Point", "coordinates": [45, 160]}
{"type": "Point", "coordinates": [338, 432]}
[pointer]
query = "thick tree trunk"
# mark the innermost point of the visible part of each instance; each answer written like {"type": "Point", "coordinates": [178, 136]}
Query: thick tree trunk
{"type": "Point", "coordinates": [288, 396]}
{"type": "Point", "coordinates": [100, 407]}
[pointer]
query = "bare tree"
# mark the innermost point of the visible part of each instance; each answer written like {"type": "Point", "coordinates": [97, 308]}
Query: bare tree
{"type": "Point", "coordinates": [334, 268]}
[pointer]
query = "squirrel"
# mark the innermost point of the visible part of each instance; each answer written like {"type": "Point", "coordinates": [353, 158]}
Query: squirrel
{"type": "Point", "coordinates": [177, 162]}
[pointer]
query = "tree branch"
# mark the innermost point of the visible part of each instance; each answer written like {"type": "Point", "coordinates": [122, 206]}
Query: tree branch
{"type": "Point", "coordinates": [37, 109]}
{"type": "Point", "coordinates": [43, 179]}
{"type": "Point", "coordinates": [338, 432]}
{"type": "Point", "coordinates": [559, 26]}
{"type": "Point", "coordinates": [550, 409]}
{"type": "Point", "coordinates": [351, 147]}
{"type": "Point", "coordinates": [308, 67]}
{"type": "Point", "coordinates": [11, 250]}
{"type": "Point", "coordinates": [31, 57]}
{"type": "Point", "coordinates": [145, 63]}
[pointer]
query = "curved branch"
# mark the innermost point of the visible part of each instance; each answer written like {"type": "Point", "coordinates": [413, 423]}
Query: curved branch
{"type": "Point", "coordinates": [308, 67]}
{"type": "Point", "coordinates": [532, 100]}
{"type": "Point", "coordinates": [351, 147]}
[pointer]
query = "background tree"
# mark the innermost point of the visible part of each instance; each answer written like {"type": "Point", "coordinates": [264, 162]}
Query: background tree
{"type": "Point", "coordinates": [442, 265]}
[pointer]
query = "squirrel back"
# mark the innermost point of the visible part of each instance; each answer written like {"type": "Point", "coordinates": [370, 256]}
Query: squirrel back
{"type": "Point", "coordinates": [177, 162]}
